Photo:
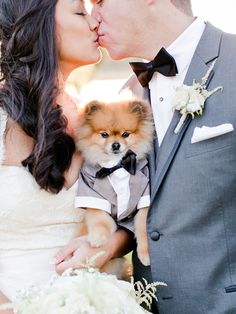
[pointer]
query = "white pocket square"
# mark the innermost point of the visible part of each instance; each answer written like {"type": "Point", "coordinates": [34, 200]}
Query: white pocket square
{"type": "Point", "coordinates": [206, 132]}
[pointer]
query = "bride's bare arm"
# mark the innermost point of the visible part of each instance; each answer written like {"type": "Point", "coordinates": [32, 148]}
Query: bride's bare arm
{"type": "Point", "coordinates": [3, 300]}
{"type": "Point", "coordinates": [78, 250]}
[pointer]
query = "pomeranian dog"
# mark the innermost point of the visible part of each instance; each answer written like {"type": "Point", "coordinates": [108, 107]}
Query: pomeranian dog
{"type": "Point", "coordinates": [113, 187]}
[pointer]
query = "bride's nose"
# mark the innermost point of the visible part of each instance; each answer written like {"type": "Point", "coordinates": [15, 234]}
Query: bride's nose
{"type": "Point", "coordinates": [96, 14]}
{"type": "Point", "coordinates": [93, 23]}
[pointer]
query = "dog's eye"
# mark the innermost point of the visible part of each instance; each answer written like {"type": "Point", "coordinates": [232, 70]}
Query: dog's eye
{"type": "Point", "coordinates": [125, 134]}
{"type": "Point", "coordinates": [104, 134]}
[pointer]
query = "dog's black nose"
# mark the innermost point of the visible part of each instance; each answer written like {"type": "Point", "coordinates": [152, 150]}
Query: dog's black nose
{"type": "Point", "coordinates": [115, 146]}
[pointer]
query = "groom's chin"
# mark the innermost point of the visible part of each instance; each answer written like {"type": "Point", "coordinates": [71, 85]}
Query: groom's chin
{"type": "Point", "coordinates": [114, 54]}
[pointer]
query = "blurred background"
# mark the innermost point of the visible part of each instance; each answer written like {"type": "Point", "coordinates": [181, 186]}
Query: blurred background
{"type": "Point", "coordinates": [105, 79]}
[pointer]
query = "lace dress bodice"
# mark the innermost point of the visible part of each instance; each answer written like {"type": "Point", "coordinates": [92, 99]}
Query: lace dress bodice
{"type": "Point", "coordinates": [34, 224]}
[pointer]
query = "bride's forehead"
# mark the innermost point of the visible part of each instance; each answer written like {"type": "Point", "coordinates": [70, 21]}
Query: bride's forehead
{"type": "Point", "coordinates": [78, 1]}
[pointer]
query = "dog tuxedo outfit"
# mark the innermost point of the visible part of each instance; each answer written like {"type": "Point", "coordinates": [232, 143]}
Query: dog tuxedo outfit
{"type": "Point", "coordinates": [119, 193]}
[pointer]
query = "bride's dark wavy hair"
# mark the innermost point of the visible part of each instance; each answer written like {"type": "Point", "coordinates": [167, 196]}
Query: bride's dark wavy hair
{"type": "Point", "coordinates": [29, 86]}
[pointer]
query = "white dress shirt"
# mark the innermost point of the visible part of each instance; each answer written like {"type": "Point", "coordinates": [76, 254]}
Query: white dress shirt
{"type": "Point", "coordinates": [162, 87]}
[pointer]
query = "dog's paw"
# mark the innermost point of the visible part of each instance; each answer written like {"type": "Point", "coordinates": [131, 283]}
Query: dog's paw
{"type": "Point", "coordinates": [99, 236]}
{"type": "Point", "coordinates": [143, 256]}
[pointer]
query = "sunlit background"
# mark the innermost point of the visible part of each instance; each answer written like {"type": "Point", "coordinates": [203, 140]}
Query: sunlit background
{"type": "Point", "coordinates": [220, 13]}
{"type": "Point", "coordinates": [105, 79]}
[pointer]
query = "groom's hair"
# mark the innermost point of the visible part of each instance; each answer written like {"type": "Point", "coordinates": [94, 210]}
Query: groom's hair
{"type": "Point", "coordinates": [184, 6]}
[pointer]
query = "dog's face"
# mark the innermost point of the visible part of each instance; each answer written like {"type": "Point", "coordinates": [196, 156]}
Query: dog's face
{"type": "Point", "coordinates": [110, 129]}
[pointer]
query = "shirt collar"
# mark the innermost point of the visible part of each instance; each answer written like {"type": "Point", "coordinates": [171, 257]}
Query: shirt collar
{"type": "Point", "coordinates": [183, 48]}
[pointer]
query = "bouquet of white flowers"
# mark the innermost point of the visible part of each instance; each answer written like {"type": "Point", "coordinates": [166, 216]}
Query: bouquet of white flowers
{"type": "Point", "coordinates": [85, 291]}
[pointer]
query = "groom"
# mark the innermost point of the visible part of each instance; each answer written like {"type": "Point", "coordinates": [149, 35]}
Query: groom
{"type": "Point", "coordinates": [192, 219]}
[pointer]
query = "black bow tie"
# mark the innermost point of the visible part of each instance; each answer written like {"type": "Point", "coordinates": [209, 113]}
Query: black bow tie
{"type": "Point", "coordinates": [128, 162]}
{"type": "Point", "coordinates": [163, 63]}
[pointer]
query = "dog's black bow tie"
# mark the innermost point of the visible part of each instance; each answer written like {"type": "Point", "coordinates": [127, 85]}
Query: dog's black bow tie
{"type": "Point", "coordinates": [128, 162]}
{"type": "Point", "coordinates": [163, 63]}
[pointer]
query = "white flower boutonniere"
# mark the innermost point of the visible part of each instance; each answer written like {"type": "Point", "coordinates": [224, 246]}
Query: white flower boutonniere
{"type": "Point", "coordinates": [190, 100]}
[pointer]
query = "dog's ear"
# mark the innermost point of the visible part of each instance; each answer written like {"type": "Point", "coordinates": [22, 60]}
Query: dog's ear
{"type": "Point", "coordinates": [92, 107]}
{"type": "Point", "coordinates": [139, 107]}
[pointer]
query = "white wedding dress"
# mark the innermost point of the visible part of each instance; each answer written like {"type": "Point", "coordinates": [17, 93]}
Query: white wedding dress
{"type": "Point", "coordinates": [34, 225]}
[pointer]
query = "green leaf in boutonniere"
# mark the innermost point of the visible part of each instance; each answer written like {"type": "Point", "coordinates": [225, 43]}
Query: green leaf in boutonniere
{"type": "Point", "coordinates": [190, 100]}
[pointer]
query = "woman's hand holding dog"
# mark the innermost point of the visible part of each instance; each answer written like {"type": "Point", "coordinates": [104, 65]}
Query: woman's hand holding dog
{"type": "Point", "coordinates": [78, 250]}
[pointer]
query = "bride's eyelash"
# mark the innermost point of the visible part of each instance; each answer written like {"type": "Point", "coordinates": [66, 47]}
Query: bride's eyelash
{"type": "Point", "coordinates": [81, 14]}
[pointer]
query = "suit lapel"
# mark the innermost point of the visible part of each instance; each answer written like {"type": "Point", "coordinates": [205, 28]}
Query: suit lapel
{"type": "Point", "coordinates": [206, 51]}
{"type": "Point", "coordinates": [137, 184]}
{"type": "Point", "coordinates": [105, 189]}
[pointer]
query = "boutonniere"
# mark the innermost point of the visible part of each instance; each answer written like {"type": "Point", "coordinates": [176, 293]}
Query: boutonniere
{"type": "Point", "coordinates": [190, 100]}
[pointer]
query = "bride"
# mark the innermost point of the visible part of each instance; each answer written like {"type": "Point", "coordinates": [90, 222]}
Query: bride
{"type": "Point", "coordinates": [42, 41]}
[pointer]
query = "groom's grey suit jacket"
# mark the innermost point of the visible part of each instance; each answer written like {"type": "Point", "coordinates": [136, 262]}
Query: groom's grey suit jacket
{"type": "Point", "coordinates": [192, 218]}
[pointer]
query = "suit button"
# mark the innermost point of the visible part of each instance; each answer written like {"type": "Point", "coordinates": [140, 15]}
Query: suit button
{"type": "Point", "coordinates": [155, 235]}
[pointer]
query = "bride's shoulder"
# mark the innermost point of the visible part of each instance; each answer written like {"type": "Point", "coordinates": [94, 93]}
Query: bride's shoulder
{"type": "Point", "coordinates": [73, 111]}
{"type": "Point", "coordinates": [72, 174]}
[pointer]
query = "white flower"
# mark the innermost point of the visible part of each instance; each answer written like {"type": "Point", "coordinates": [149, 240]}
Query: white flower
{"type": "Point", "coordinates": [181, 97]}
{"type": "Point", "coordinates": [190, 100]}
{"type": "Point", "coordinates": [83, 292]}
